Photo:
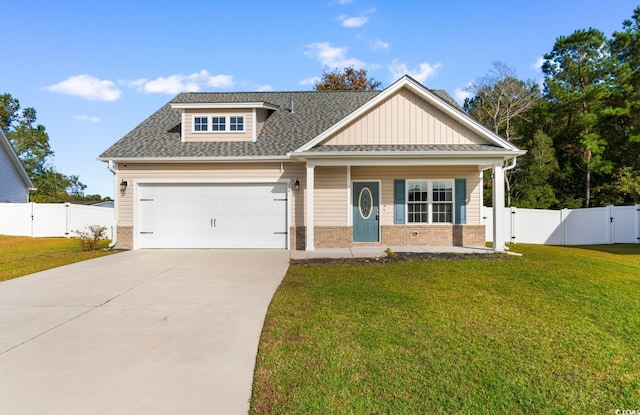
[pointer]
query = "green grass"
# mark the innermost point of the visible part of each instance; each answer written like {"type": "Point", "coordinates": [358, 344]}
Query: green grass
{"type": "Point", "coordinates": [556, 331]}
{"type": "Point", "coordinates": [23, 255]}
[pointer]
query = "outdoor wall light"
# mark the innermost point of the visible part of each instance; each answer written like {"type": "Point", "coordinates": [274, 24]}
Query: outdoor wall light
{"type": "Point", "coordinates": [296, 185]}
{"type": "Point", "coordinates": [123, 186]}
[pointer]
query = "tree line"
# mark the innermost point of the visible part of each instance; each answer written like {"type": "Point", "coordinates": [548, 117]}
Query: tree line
{"type": "Point", "coordinates": [581, 129]}
{"type": "Point", "coordinates": [31, 143]}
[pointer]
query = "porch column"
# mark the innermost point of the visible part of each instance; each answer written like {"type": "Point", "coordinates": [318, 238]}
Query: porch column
{"type": "Point", "coordinates": [310, 209]}
{"type": "Point", "coordinates": [498, 208]}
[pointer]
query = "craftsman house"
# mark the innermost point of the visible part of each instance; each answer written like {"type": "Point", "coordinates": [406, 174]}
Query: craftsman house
{"type": "Point", "coordinates": [307, 170]}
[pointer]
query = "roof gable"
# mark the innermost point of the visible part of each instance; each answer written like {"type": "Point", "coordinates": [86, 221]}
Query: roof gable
{"type": "Point", "coordinates": [410, 114]}
{"type": "Point", "coordinates": [404, 119]}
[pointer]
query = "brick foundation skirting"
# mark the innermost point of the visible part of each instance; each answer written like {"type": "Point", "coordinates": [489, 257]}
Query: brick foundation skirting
{"type": "Point", "coordinates": [342, 236]}
{"type": "Point", "coordinates": [433, 235]}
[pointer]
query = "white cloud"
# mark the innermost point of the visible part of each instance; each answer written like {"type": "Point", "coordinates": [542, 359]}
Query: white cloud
{"type": "Point", "coordinates": [378, 45]}
{"type": "Point", "coordinates": [334, 57]}
{"type": "Point", "coordinates": [174, 84]}
{"type": "Point", "coordinates": [265, 88]}
{"type": "Point", "coordinates": [310, 81]}
{"type": "Point", "coordinates": [460, 94]}
{"type": "Point", "coordinates": [537, 65]}
{"type": "Point", "coordinates": [87, 87]}
{"type": "Point", "coordinates": [344, 1]}
{"type": "Point", "coordinates": [423, 72]}
{"type": "Point", "coordinates": [353, 21]}
{"type": "Point", "coordinates": [91, 118]}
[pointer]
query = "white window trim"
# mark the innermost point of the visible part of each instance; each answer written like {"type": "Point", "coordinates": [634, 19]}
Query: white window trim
{"type": "Point", "coordinates": [227, 124]}
{"type": "Point", "coordinates": [193, 124]}
{"type": "Point", "coordinates": [430, 202]}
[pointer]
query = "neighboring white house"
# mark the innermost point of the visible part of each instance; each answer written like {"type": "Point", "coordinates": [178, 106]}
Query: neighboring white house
{"type": "Point", "coordinates": [14, 183]}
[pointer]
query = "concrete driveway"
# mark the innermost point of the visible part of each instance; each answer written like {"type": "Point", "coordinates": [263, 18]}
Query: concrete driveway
{"type": "Point", "coordinates": [140, 332]}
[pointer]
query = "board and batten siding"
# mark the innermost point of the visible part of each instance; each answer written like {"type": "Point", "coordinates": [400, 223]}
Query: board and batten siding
{"type": "Point", "coordinates": [404, 119]}
{"type": "Point", "coordinates": [193, 136]}
{"type": "Point", "coordinates": [12, 188]}
{"type": "Point", "coordinates": [209, 173]}
{"type": "Point", "coordinates": [330, 200]}
{"type": "Point", "coordinates": [388, 174]}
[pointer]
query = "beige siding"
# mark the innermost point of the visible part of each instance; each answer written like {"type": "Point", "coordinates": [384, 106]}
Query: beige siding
{"type": "Point", "coordinates": [190, 135]}
{"type": "Point", "coordinates": [330, 196]}
{"type": "Point", "coordinates": [186, 173]}
{"type": "Point", "coordinates": [388, 174]}
{"type": "Point", "coordinates": [405, 119]}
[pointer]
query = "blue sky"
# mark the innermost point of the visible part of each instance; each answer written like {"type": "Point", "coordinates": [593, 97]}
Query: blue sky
{"type": "Point", "coordinates": [93, 70]}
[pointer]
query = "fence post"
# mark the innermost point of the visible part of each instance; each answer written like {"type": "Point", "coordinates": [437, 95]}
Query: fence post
{"type": "Point", "coordinates": [638, 223]}
{"type": "Point", "coordinates": [512, 224]}
{"type": "Point", "coordinates": [66, 214]}
{"type": "Point", "coordinates": [563, 228]}
{"type": "Point", "coordinates": [611, 227]}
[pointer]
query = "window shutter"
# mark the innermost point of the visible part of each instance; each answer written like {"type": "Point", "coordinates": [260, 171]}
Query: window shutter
{"type": "Point", "coordinates": [398, 202]}
{"type": "Point", "coordinates": [461, 201]}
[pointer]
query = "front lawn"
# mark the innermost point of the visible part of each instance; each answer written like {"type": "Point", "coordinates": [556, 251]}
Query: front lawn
{"type": "Point", "coordinates": [554, 331]}
{"type": "Point", "coordinates": [21, 255]}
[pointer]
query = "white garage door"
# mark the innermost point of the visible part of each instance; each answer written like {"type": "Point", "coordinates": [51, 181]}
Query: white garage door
{"type": "Point", "coordinates": [211, 216]}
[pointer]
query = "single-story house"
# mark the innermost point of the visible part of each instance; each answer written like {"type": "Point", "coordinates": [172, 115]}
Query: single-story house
{"type": "Point", "coordinates": [15, 183]}
{"type": "Point", "coordinates": [307, 170]}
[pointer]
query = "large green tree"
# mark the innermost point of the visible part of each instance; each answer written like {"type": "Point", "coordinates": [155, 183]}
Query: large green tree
{"type": "Point", "coordinates": [623, 116]}
{"type": "Point", "coordinates": [505, 104]}
{"type": "Point", "coordinates": [31, 143]}
{"type": "Point", "coordinates": [577, 86]}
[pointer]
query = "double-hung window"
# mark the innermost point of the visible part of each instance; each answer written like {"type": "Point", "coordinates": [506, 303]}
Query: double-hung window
{"type": "Point", "coordinates": [442, 196]}
{"type": "Point", "coordinates": [429, 201]}
{"type": "Point", "coordinates": [417, 201]}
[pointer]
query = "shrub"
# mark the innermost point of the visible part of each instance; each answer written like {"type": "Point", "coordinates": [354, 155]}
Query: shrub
{"type": "Point", "coordinates": [91, 237]}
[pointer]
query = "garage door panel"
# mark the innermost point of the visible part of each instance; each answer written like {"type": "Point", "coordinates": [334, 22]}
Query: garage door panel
{"type": "Point", "coordinates": [211, 216]}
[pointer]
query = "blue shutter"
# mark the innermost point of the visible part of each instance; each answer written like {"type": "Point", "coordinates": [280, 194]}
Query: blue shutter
{"type": "Point", "coordinates": [398, 202]}
{"type": "Point", "coordinates": [461, 201]}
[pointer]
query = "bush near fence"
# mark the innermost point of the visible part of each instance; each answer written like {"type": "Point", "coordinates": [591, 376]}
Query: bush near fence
{"type": "Point", "coordinates": [591, 226]}
{"type": "Point", "coordinates": [52, 219]}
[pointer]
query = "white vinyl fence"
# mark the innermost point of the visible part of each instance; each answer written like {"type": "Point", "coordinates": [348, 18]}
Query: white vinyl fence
{"type": "Point", "coordinates": [604, 225]}
{"type": "Point", "coordinates": [52, 219]}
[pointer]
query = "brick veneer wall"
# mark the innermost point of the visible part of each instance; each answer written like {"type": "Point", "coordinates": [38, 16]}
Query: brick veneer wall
{"type": "Point", "coordinates": [125, 237]}
{"type": "Point", "coordinates": [434, 235]}
{"type": "Point", "coordinates": [333, 236]}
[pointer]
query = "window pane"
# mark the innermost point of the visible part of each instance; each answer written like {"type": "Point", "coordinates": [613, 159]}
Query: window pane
{"type": "Point", "coordinates": [442, 191]}
{"type": "Point", "coordinates": [442, 213]}
{"type": "Point", "coordinates": [218, 123]}
{"type": "Point", "coordinates": [236, 123]}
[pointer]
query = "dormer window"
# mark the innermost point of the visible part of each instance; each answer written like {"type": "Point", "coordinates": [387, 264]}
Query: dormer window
{"type": "Point", "coordinates": [200, 124]}
{"type": "Point", "coordinates": [236, 123]}
{"type": "Point", "coordinates": [218, 124]}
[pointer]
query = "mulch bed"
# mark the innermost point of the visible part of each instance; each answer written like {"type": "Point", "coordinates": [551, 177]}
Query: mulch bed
{"type": "Point", "coordinates": [399, 257]}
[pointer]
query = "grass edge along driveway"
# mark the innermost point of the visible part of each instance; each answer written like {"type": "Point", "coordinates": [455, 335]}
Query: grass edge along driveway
{"type": "Point", "coordinates": [554, 331]}
{"type": "Point", "coordinates": [23, 255]}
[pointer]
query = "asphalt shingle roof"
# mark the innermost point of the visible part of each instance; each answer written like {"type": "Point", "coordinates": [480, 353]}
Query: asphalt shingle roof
{"type": "Point", "coordinates": [283, 132]}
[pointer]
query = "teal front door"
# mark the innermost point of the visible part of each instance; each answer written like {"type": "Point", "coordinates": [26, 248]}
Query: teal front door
{"type": "Point", "coordinates": [366, 214]}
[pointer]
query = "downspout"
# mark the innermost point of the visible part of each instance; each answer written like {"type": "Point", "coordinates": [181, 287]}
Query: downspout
{"type": "Point", "coordinates": [511, 166]}
{"type": "Point", "coordinates": [114, 231]}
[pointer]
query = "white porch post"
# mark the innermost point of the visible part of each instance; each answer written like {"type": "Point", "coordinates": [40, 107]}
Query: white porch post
{"type": "Point", "coordinates": [310, 209]}
{"type": "Point", "coordinates": [498, 208]}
